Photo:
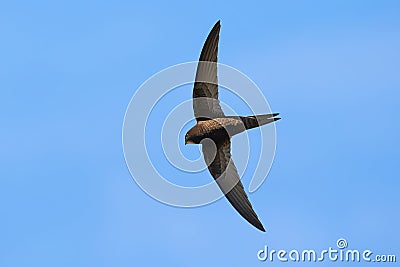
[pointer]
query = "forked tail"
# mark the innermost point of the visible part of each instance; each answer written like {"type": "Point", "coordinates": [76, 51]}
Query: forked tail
{"type": "Point", "coordinates": [258, 120]}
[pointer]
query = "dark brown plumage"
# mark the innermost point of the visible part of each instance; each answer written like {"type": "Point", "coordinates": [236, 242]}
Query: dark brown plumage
{"type": "Point", "coordinates": [214, 130]}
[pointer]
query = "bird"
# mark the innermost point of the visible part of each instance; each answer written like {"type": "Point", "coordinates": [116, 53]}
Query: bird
{"type": "Point", "coordinates": [214, 130]}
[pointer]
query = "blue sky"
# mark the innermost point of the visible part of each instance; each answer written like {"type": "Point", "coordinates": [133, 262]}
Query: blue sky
{"type": "Point", "coordinates": [67, 73]}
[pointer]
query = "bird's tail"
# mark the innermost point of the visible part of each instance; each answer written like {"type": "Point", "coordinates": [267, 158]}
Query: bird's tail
{"type": "Point", "coordinates": [259, 120]}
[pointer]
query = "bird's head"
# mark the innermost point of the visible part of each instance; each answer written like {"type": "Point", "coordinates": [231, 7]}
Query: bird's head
{"type": "Point", "coordinates": [192, 136]}
{"type": "Point", "coordinates": [188, 139]}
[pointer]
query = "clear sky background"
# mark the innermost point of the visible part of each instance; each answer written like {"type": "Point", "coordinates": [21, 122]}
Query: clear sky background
{"type": "Point", "coordinates": [68, 70]}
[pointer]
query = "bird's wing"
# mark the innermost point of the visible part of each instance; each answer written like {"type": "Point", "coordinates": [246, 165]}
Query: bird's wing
{"type": "Point", "coordinates": [205, 92]}
{"type": "Point", "coordinates": [222, 168]}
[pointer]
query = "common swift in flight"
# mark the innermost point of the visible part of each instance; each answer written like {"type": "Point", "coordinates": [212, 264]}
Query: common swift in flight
{"type": "Point", "coordinates": [214, 130]}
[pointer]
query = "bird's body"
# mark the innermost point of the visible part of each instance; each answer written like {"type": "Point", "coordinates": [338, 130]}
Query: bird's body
{"type": "Point", "coordinates": [218, 129]}
{"type": "Point", "coordinates": [212, 124]}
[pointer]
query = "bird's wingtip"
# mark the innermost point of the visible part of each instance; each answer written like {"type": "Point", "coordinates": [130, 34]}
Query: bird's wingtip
{"type": "Point", "coordinates": [260, 227]}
